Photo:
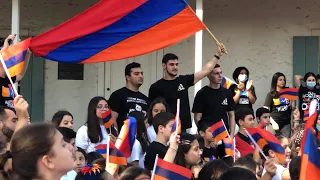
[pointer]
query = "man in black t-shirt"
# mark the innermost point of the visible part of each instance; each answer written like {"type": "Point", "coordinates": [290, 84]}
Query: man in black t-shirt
{"type": "Point", "coordinates": [128, 99]}
{"type": "Point", "coordinates": [172, 87]}
{"type": "Point", "coordinates": [214, 102]}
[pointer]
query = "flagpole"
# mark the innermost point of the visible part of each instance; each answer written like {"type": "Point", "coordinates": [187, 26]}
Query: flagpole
{"type": "Point", "coordinates": [218, 43]}
{"type": "Point", "coordinates": [8, 75]}
{"type": "Point", "coordinates": [154, 167]}
{"type": "Point", "coordinates": [255, 143]}
{"type": "Point", "coordinates": [230, 80]}
{"type": "Point", "coordinates": [226, 129]}
{"type": "Point", "coordinates": [107, 155]}
{"type": "Point", "coordinates": [234, 149]}
{"type": "Point", "coordinates": [177, 115]}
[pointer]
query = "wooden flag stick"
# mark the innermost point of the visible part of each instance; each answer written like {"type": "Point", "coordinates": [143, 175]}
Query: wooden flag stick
{"type": "Point", "coordinates": [223, 48]}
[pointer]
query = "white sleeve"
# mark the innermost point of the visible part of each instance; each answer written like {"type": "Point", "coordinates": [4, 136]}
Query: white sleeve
{"type": "Point", "coordinates": [136, 151]}
{"type": "Point", "coordinates": [82, 139]}
{"type": "Point", "coordinates": [151, 134]}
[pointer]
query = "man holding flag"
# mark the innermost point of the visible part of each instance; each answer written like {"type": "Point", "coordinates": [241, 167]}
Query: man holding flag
{"type": "Point", "coordinates": [173, 86]}
{"type": "Point", "coordinates": [16, 58]}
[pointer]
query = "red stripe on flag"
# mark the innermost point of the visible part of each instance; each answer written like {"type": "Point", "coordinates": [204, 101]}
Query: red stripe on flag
{"type": "Point", "coordinates": [186, 23]}
{"type": "Point", "coordinates": [174, 168]}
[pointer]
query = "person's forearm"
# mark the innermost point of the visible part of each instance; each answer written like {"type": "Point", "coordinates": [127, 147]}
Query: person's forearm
{"type": "Point", "coordinates": [251, 97]}
{"type": "Point", "coordinates": [236, 97]}
{"type": "Point", "coordinates": [205, 71]}
{"type": "Point", "coordinates": [266, 176]}
{"type": "Point", "coordinates": [171, 154]}
{"type": "Point", "coordinates": [232, 123]}
{"type": "Point", "coordinates": [297, 79]}
{"type": "Point", "coordinates": [197, 117]}
{"type": "Point", "coordinates": [114, 116]}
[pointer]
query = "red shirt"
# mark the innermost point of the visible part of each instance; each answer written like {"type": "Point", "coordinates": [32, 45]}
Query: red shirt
{"type": "Point", "coordinates": [242, 145]}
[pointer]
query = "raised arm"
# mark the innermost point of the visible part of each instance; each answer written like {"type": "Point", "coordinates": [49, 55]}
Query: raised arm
{"type": "Point", "coordinates": [232, 123]}
{"type": "Point", "coordinates": [197, 117]}
{"type": "Point", "coordinates": [297, 79]}
{"type": "Point", "coordinates": [208, 67]}
{"type": "Point", "coordinates": [21, 106]}
{"type": "Point", "coordinates": [6, 44]}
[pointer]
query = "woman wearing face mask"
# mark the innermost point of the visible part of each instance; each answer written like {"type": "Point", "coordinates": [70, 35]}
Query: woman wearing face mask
{"type": "Point", "coordinates": [306, 93]}
{"type": "Point", "coordinates": [244, 94]}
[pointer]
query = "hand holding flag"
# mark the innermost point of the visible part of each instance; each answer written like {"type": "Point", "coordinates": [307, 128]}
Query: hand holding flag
{"type": "Point", "coordinates": [127, 136]}
{"type": "Point", "coordinates": [289, 93]}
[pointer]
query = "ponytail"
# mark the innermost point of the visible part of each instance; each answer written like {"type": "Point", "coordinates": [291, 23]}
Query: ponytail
{"type": "Point", "coordinates": [4, 158]}
{"type": "Point", "coordinates": [7, 174]}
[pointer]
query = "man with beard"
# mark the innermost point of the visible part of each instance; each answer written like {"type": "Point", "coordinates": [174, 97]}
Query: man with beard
{"type": "Point", "coordinates": [173, 86]}
{"type": "Point", "coordinates": [128, 99]}
{"type": "Point", "coordinates": [8, 121]}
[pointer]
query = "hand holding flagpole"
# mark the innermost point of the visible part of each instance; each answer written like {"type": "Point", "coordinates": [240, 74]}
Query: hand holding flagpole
{"type": "Point", "coordinates": [223, 48]}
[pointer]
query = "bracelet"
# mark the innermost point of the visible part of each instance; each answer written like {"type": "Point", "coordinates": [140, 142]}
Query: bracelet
{"type": "Point", "coordinates": [216, 56]}
{"type": "Point", "coordinates": [172, 148]}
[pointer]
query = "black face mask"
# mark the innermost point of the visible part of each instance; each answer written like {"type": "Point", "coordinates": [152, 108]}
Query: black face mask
{"type": "Point", "coordinates": [7, 131]}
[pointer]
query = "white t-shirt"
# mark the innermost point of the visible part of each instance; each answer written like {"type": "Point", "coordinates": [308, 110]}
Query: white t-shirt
{"type": "Point", "coordinates": [279, 172]}
{"type": "Point", "coordinates": [151, 134]}
{"type": "Point", "coordinates": [83, 141]}
{"type": "Point", "coordinates": [137, 154]}
{"type": "Point", "coordinates": [71, 175]}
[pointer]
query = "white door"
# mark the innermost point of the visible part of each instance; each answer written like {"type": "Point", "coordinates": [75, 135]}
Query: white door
{"type": "Point", "coordinates": [113, 73]}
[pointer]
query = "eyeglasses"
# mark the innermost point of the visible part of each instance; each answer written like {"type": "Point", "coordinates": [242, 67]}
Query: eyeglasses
{"type": "Point", "coordinates": [101, 107]}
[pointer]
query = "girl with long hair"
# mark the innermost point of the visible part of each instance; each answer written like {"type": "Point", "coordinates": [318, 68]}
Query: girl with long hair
{"type": "Point", "coordinates": [158, 105]}
{"type": "Point", "coordinates": [280, 108]}
{"type": "Point", "coordinates": [93, 132]}
{"type": "Point", "coordinates": [62, 118]}
{"type": "Point", "coordinates": [38, 151]}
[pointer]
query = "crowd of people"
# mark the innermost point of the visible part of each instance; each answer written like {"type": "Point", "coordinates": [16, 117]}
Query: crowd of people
{"type": "Point", "coordinates": [56, 151]}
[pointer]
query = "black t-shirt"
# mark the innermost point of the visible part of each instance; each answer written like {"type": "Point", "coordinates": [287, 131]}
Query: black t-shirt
{"type": "Point", "coordinates": [305, 97]}
{"type": "Point", "coordinates": [152, 150]}
{"type": "Point", "coordinates": [213, 104]}
{"type": "Point", "coordinates": [123, 101]}
{"type": "Point", "coordinates": [209, 153]}
{"type": "Point", "coordinates": [6, 99]}
{"type": "Point", "coordinates": [244, 101]}
{"type": "Point", "coordinates": [280, 109]}
{"type": "Point", "coordinates": [171, 90]}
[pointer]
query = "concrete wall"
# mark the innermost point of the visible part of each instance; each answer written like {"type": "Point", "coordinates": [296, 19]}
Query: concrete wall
{"type": "Point", "coordinates": [257, 34]}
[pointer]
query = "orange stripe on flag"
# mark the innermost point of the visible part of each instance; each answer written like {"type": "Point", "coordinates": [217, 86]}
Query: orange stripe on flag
{"type": "Point", "coordinates": [157, 177]}
{"type": "Point", "coordinates": [262, 142]}
{"type": "Point", "coordinates": [170, 30]}
{"type": "Point", "coordinates": [5, 92]}
{"type": "Point", "coordinates": [220, 136]}
{"type": "Point", "coordinates": [16, 69]}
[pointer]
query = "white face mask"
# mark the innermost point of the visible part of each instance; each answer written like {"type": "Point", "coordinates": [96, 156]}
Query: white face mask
{"type": "Point", "coordinates": [242, 77]}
